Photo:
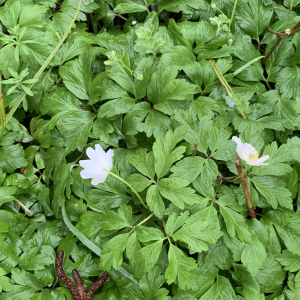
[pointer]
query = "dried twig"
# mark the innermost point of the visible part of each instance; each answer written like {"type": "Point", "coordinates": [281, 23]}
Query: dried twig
{"type": "Point", "coordinates": [245, 188]}
{"type": "Point", "coordinates": [281, 36]}
{"type": "Point", "coordinates": [77, 290]}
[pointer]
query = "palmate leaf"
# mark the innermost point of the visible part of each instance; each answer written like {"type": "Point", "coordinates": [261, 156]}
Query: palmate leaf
{"type": "Point", "coordinates": [181, 267]}
{"type": "Point", "coordinates": [290, 261]}
{"type": "Point", "coordinates": [112, 252]}
{"type": "Point", "coordinates": [287, 228]}
{"type": "Point", "coordinates": [253, 17]}
{"type": "Point", "coordinates": [163, 151]}
{"type": "Point", "coordinates": [273, 189]}
{"type": "Point", "coordinates": [151, 285]}
{"type": "Point", "coordinates": [181, 5]}
{"type": "Point", "coordinates": [176, 190]}
{"type": "Point", "coordinates": [235, 222]}
{"type": "Point", "coordinates": [12, 157]}
{"type": "Point", "coordinates": [129, 6]}
{"type": "Point", "coordinates": [221, 290]}
{"type": "Point", "coordinates": [288, 81]}
{"type": "Point", "coordinates": [195, 233]}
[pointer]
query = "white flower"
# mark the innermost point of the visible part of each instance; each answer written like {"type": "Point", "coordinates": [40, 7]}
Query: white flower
{"type": "Point", "coordinates": [133, 22]}
{"type": "Point", "coordinates": [94, 167]}
{"type": "Point", "coordinates": [248, 153]}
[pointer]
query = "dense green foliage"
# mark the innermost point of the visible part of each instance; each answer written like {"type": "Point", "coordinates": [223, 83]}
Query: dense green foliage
{"type": "Point", "coordinates": [149, 92]}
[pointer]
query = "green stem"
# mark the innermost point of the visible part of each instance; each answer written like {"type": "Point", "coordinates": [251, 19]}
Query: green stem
{"type": "Point", "coordinates": [231, 19]}
{"type": "Point", "coordinates": [292, 4]}
{"type": "Point", "coordinates": [130, 186]}
{"type": "Point", "coordinates": [149, 217]}
{"type": "Point", "coordinates": [225, 84]}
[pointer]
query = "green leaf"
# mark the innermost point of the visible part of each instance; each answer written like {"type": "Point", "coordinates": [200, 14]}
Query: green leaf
{"type": "Point", "coordinates": [181, 267]}
{"type": "Point", "coordinates": [146, 234]}
{"type": "Point", "coordinates": [290, 261]}
{"type": "Point", "coordinates": [254, 18]}
{"type": "Point", "coordinates": [5, 284]}
{"type": "Point", "coordinates": [287, 82]}
{"type": "Point", "coordinates": [273, 189]}
{"type": "Point", "coordinates": [155, 201]}
{"type": "Point", "coordinates": [129, 6]}
{"type": "Point", "coordinates": [163, 151]}
{"type": "Point", "coordinates": [254, 256]}
{"type": "Point", "coordinates": [221, 290]}
{"type": "Point", "coordinates": [151, 285]}
{"type": "Point", "coordinates": [30, 260]}
{"type": "Point", "coordinates": [144, 162]}
{"type": "Point", "coordinates": [176, 190]}
{"type": "Point", "coordinates": [76, 75]}
{"type": "Point", "coordinates": [112, 253]}
{"type": "Point", "coordinates": [114, 221]}
{"type": "Point", "coordinates": [250, 288]}
{"type": "Point", "coordinates": [6, 194]}
{"type": "Point", "coordinates": [156, 123]}
{"type": "Point", "coordinates": [163, 86]}
{"type": "Point", "coordinates": [194, 234]}
{"type": "Point", "coordinates": [150, 255]}
{"type": "Point", "coordinates": [245, 51]}
{"type": "Point", "coordinates": [138, 182]}
{"type": "Point", "coordinates": [179, 56]}
{"type": "Point", "coordinates": [270, 276]}
{"type": "Point", "coordinates": [12, 157]}
{"type": "Point", "coordinates": [116, 107]}
{"type": "Point", "coordinates": [188, 168]}
{"type": "Point", "coordinates": [181, 5]}
{"type": "Point", "coordinates": [235, 223]}
{"type": "Point", "coordinates": [24, 278]}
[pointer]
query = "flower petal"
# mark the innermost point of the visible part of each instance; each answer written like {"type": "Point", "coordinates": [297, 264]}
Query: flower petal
{"type": "Point", "coordinates": [260, 161]}
{"type": "Point", "coordinates": [99, 178]}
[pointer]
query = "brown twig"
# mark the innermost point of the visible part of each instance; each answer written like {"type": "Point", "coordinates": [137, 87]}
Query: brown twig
{"type": "Point", "coordinates": [245, 187]}
{"type": "Point", "coordinates": [281, 36]}
{"type": "Point", "coordinates": [77, 290]}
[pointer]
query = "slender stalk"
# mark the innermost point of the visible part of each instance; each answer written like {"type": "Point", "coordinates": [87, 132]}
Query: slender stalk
{"type": "Point", "coordinates": [130, 186]}
{"type": "Point", "coordinates": [23, 206]}
{"type": "Point", "coordinates": [231, 19]}
{"type": "Point", "coordinates": [292, 4]}
{"type": "Point", "coordinates": [145, 220]}
{"type": "Point", "coordinates": [225, 84]}
{"type": "Point", "coordinates": [245, 187]}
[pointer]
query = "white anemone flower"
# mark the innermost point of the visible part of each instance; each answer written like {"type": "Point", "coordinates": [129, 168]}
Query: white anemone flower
{"type": "Point", "coordinates": [248, 153]}
{"type": "Point", "coordinates": [98, 165]}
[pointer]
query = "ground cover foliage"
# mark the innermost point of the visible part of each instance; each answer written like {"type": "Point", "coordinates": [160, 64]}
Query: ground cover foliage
{"type": "Point", "coordinates": [165, 84]}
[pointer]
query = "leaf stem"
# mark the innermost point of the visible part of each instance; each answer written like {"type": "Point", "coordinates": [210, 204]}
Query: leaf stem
{"type": "Point", "coordinates": [130, 186]}
{"type": "Point", "coordinates": [145, 220]}
{"type": "Point", "coordinates": [231, 19]}
{"type": "Point", "coordinates": [225, 84]}
{"type": "Point", "coordinates": [245, 187]}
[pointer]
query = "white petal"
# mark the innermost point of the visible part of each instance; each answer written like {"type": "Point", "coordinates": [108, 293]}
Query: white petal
{"type": "Point", "coordinates": [89, 165]}
{"type": "Point", "coordinates": [91, 153]}
{"type": "Point", "coordinates": [260, 161]}
{"type": "Point", "coordinates": [108, 159]}
{"type": "Point", "coordinates": [236, 140]}
{"type": "Point", "coordinates": [85, 174]}
{"type": "Point", "coordinates": [99, 178]}
{"type": "Point", "coordinates": [100, 152]}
